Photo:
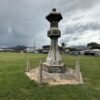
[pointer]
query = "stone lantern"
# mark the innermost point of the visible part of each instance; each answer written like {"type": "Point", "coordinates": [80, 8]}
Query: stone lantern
{"type": "Point", "coordinates": [53, 62]}
{"type": "Point", "coordinates": [53, 71]}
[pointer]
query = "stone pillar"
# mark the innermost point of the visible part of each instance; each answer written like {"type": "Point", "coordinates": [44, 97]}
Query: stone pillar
{"type": "Point", "coordinates": [77, 70]}
{"type": "Point", "coordinates": [53, 62]}
{"type": "Point", "coordinates": [40, 73]}
{"type": "Point", "coordinates": [54, 55]}
{"type": "Point", "coordinates": [28, 65]}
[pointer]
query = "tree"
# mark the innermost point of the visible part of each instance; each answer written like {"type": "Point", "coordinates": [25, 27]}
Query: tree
{"type": "Point", "coordinates": [63, 48]}
{"type": "Point", "coordinates": [93, 45]}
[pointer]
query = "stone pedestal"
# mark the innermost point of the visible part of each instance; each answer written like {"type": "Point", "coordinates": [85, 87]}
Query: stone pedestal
{"type": "Point", "coordinates": [54, 68]}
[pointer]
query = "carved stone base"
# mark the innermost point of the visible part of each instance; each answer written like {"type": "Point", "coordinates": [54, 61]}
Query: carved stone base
{"type": "Point", "coordinates": [54, 68]}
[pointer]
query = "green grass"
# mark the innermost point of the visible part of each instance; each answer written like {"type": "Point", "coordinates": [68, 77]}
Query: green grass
{"type": "Point", "coordinates": [15, 85]}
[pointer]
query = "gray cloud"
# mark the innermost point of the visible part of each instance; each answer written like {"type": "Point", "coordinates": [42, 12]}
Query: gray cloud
{"type": "Point", "coordinates": [23, 21]}
{"type": "Point", "coordinates": [75, 33]}
{"type": "Point", "coordinates": [79, 28]}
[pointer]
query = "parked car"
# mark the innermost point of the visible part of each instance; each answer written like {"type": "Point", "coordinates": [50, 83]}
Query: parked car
{"type": "Point", "coordinates": [74, 52]}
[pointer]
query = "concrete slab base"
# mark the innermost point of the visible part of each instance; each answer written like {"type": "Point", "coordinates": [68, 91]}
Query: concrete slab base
{"type": "Point", "coordinates": [68, 77]}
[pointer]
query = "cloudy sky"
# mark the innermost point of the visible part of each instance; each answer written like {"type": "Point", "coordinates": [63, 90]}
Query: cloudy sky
{"type": "Point", "coordinates": [23, 21]}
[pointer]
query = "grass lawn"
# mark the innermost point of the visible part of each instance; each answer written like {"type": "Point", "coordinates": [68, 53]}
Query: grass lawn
{"type": "Point", "coordinates": [15, 85]}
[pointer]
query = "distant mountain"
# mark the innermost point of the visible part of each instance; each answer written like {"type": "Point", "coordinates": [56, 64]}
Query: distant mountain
{"type": "Point", "coordinates": [19, 47]}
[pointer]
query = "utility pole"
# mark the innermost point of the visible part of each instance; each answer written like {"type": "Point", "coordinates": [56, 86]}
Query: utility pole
{"type": "Point", "coordinates": [34, 47]}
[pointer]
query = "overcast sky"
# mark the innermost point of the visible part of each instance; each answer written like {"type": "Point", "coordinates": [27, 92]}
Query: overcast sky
{"type": "Point", "coordinates": [23, 21]}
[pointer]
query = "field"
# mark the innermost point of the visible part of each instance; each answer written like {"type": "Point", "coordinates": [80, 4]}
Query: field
{"type": "Point", "coordinates": [15, 85]}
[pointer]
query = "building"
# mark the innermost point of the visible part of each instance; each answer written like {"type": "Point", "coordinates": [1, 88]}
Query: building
{"type": "Point", "coordinates": [46, 48]}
